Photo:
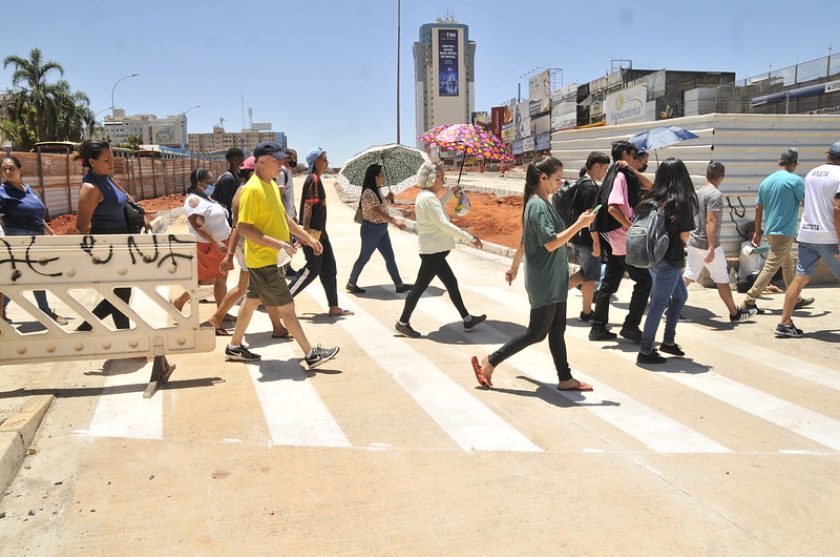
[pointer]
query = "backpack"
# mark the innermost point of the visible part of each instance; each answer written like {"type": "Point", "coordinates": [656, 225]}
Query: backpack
{"type": "Point", "coordinates": [647, 238]}
{"type": "Point", "coordinates": [564, 201]}
{"type": "Point", "coordinates": [604, 221]}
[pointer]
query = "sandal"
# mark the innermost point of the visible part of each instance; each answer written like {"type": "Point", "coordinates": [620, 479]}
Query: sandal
{"type": "Point", "coordinates": [287, 334]}
{"type": "Point", "coordinates": [483, 379]}
{"type": "Point", "coordinates": [580, 387]}
{"type": "Point", "coordinates": [229, 317]}
{"type": "Point", "coordinates": [341, 313]}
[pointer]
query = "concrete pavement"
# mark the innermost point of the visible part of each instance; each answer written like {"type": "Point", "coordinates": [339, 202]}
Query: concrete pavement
{"type": "Point", "coordinates": [392, 450]}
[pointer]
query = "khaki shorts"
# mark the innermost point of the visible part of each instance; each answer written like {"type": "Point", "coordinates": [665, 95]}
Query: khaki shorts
{"type": "Point", "coordinates": [269, 285]}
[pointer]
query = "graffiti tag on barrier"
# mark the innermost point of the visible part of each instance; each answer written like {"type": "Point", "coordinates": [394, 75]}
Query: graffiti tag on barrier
{"type": "Point", "coordinates": [141, 253]}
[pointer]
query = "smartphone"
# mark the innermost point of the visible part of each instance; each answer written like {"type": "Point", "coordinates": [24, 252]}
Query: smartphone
{"type": "Point", "coordinates": [597, 208]}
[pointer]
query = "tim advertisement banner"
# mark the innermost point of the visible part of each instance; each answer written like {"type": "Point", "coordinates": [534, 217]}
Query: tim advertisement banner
{"type": "Point", "coordinates": [448, 63]}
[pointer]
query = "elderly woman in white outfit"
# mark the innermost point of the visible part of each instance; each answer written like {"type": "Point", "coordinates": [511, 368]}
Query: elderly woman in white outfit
{"type": "Point", "coordinates": [208, 222]}
{"type": "Point", "coordinates": [436, 238]}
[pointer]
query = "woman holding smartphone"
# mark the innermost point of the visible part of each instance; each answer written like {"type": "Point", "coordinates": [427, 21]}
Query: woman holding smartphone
{"type": "Point", "coordinates": [545, 236]}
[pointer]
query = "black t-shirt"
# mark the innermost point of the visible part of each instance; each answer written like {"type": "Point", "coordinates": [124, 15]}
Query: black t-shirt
{"type": "Point", "coordinates": [313, 194]}
{"type": "Point", "coordinates": [586, 198]}
{"type": "Point", "coordinates": [226, 187]}
{"type": "Point", "coordinates": [683, 221]}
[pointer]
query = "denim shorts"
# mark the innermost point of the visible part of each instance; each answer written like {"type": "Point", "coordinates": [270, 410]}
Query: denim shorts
{"type": "Point", "coordinates": [590, 266]}
{"type": "Point", "coordinates": [809, 254]}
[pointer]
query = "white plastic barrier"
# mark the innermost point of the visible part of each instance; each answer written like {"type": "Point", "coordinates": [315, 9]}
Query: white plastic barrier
{"type": "Point", "coordinates": [77, 269]}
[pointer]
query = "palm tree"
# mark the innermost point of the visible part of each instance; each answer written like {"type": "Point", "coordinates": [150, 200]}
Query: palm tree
{"type": "Point", "coordinates": [41, 110]}
{"type": "Point", "coordinates": [32, 104]}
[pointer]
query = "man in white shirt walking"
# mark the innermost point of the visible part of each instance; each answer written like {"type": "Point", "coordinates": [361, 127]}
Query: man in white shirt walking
{"type": "Point", "coordinates": [819, 234]}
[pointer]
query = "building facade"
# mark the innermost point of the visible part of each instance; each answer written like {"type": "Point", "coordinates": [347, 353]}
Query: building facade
{"type": "Point", "coordinates": [170, 131]}
{"type": "Point", "coordinates": [444, 69]}
{"type": "Point", "coordinates": [221, 140]}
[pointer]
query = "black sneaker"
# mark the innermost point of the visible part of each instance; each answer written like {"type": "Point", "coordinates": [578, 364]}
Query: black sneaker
{"type": "Point", "coordinates": [585, 317]}
{"type": "Point", "coordinates": [783, 331]}
{"type": "Point", "coordinates": [353, 289]}
{"type": "Point", "coordinates": [241, 354]}
{"type": "Point", "coordinates": [474, 320]}
{"type": "Point", "coordinates": [320, 356]}
{"type": "Point", "coordinates": [402, 288]}
{"type": "Point", "coordinates": [633, 335]}
{"type": "Point", "coordinates": [674, 349]}
{"type": "Point", "coordinates": [803, 302]}
{"type": "Point", "coordinates": [652, 358]}
{"type": "Point", "coordinates": [406, 330]}
{"type": "Point", "coordinates": [744, 314]}
{"type": "Point", "coordinates": [600, 333]}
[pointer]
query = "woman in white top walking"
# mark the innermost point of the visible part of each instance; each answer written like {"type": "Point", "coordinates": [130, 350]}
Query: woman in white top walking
{"type": "Point", "coordinates": [208, 222]}
{"type": "Point", "coordinates": [436, 238]}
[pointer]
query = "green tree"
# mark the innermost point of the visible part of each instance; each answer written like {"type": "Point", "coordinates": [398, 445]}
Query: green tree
{"type": "Point", "coordinates": [45, 111]}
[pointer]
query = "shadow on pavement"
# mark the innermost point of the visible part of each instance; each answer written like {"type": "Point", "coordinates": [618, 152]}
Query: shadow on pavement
{"type": "Point", "coordinates": [114, 390]}
{"type": "Point", "coordinates": [289, 370]}
{"type": "Point", "coordinates": [677, 365]}
{"type": "Point", "coordinates": [452, 333]}
{"type": "Point", "coordinates": [550, 394]}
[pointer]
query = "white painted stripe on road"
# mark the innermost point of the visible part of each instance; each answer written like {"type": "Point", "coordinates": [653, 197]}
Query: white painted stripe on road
{"type": "Point", "coordinates": [472, 425]}
{"type": "Point", "coordinates": [294, 412]}
{"type": "Point", "coordinates": [128, 414]}
{"type": "Point", "coordinates": [655, 430]}
{"type": "Point", "coordinates": [807, 423]}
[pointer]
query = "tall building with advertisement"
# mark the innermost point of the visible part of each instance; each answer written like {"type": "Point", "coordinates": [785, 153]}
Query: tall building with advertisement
{"type": "Point", "coordinates": [444, 69]}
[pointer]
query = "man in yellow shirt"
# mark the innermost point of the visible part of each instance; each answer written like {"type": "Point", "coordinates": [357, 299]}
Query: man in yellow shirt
{"type": "Point", "coordinates": [266, 227]}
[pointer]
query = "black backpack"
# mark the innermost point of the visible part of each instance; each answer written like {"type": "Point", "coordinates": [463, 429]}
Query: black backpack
{"type": "Point", "coordinates": [564, 201]}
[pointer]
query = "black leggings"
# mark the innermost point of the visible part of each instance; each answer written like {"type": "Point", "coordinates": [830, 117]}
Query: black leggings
{"type": "Point", "coordinates": [433, 265]}
{"type": "Point", "coordinates": [105, 308]}
{"type": "Point", "coordinates": [320, 266]}
{"type": "Point", "coordinates": [545, 321]}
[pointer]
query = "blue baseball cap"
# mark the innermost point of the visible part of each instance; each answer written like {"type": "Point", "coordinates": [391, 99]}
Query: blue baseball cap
{"type": "Point", "coordinates": [312, 156]}
{"type": "Point", "coordinates": [270, 148]}
{"type": "Point", "coordinates": [834, 150]}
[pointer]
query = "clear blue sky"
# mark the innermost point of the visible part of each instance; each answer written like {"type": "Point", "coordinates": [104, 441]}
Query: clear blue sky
{"type": "Point", "coordinates": [324, 72]}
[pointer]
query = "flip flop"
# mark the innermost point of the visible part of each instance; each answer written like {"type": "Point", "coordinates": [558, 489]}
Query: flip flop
{"type": "Point", "coordinates": [287, 334]}
{"type": "Point", "coordinates": [221, 332]}
{"type": "Point", "coordinates": [581, 387]}
{"type": "Point", "coordinates": [342, 313]}
{"type": "Point", "coordinates": [229, 317]}
{"type": "Point", "coordinates": [483, 380]}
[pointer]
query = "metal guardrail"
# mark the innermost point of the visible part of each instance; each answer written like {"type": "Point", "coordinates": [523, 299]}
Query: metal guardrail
{"type": "Point", "coordinates": [78, 269]}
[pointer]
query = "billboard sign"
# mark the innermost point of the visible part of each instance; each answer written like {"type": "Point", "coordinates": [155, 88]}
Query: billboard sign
{"type": "Point", "coordinates": [539, 93]}
{"type": "Point", "coordinates": [481, 119]}
{"type": "Point", "coordinates": [563, 116]}
{"type": "Point", "coordinates": [522, 120]}
{"type": "Point", "coordinates": [540, 125]}
{"type": "Point", "coordinates": [542, 142]}
{"type": "Point", "coordinates": [497, 119]}
{"type": "Point", "coordinates": [448, 78]}
{"type": "Point", "coordinates": [508, 133]}
{"type": "Point", "coordinates": [528, 144]}
{"type": "Point", "coordinates": [626, 106]}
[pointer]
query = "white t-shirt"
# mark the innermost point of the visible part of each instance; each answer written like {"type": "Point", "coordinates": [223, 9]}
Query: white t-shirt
{"type": "Point", "coordinates": [822, 185]}
{"type": "Point", "coordinates": [215, 217]}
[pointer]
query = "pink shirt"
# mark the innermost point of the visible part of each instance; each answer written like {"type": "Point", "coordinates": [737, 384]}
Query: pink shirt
{"type": "Point", "coordinates": [618, 196]}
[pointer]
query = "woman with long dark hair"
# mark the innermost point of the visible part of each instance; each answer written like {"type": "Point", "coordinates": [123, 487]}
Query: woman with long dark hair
{"type": "Point", "coordinates": [544, 235]}
{"type": "Point", "coordinates": [673, 194]}
{"type": "Point", "coordinates": [23, 213]}
{"type": "Point", "coordinates": [101, 210]}
{"type": "Point", "coordinates": [374, 231]}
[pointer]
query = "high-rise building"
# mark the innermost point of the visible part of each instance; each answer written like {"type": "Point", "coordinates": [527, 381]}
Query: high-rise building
{"type": "Point", "coordinates": [170, 131]}
{"type": "Point", "coordinates": [220, 140]}
{"type": "Point", "coordinates": [444, 69]}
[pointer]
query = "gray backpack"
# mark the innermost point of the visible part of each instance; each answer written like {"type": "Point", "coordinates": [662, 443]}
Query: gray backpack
{"type": "Point", "coordinates": [647, 238]}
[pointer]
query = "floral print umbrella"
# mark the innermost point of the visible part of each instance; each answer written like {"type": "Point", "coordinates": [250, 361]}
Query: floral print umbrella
{"type": "Point", "coordinates": [469, 139]}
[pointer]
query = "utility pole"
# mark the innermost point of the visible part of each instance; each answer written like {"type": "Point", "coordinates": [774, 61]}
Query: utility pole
{"type": "Point", "coordinates": [398, 71]}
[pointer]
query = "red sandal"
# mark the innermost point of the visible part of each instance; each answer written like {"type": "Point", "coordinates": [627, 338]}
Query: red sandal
{"type": "Point", "coordinates": [483, 378]}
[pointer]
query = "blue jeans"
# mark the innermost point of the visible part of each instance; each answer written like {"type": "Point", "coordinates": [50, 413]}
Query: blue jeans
{"type": "Point", "coordinates": [375, 237]}
{"type": "Point", "coordinates": [668, 291]}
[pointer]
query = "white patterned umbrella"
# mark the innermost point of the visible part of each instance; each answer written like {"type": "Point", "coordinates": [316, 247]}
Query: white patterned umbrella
{"type": "Point", "coordinates": [399, 162]}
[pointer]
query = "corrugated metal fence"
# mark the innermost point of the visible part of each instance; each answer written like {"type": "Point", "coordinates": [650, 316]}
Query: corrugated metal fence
{"type": "Point", "coordinates": [56, 178]}
{"type": "Point", "coordinates": [748, 145]}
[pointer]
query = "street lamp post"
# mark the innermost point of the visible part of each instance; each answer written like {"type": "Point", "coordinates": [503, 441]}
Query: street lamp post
{"type": "Point", "coordinates": [113, 105]}
{"type": "Point", "coordinates": [184, 131]}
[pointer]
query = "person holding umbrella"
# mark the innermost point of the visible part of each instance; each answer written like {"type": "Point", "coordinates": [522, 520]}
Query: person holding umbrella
{"type": "Point", "coordinates": [374, 231]}
{"type": "Point", "coordinates": [545, 237]}
{"type": "Point", "coordinates": [436, 238]}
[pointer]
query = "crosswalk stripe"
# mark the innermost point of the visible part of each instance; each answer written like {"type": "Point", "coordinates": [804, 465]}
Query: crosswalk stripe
{"type": "Point", "coordinates": [128, 414]}
{"type": "Point", "coordinates": [807, 423]}
{"type": "Point", "coordinates": [294, 412]}
{"type": "Point", "coordinates": [655, 430]}
{"type": "Point", "coordinates": [472, 425]}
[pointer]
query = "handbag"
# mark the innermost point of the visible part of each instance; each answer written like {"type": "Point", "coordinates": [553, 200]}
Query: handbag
{"type": "Point", "coordinates": [135, 217]}
{"type": "Point", "coordinates": [135, 214]}
{"type": "Point", "coordinates": [357, 218]}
